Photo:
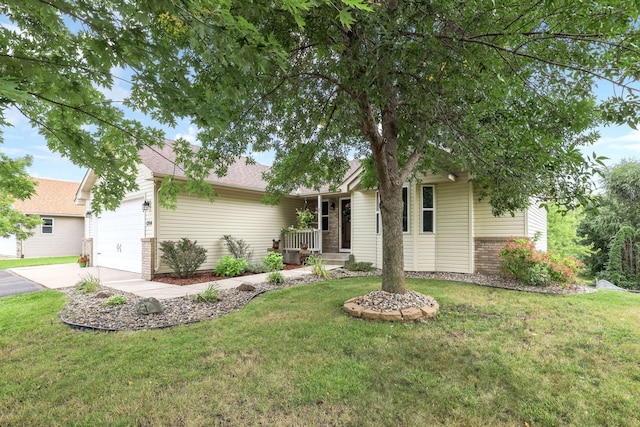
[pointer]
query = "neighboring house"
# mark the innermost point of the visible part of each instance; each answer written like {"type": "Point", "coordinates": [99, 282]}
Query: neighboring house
{"type": "Point", "coordinates": [62, 228]}
{"type": "Point", "coordinates": [446, 227]}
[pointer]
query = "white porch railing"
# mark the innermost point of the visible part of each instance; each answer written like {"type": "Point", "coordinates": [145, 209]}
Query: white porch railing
{"type": "Point", "coordinates": [293, 240]}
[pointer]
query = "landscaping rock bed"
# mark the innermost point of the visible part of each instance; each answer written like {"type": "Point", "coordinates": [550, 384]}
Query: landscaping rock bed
{"type": "Point", "coordinates": [87, 311]}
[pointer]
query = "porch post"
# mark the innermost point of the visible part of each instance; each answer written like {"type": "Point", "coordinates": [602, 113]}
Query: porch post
{"type": "Point", "coordinates": [319, 218]}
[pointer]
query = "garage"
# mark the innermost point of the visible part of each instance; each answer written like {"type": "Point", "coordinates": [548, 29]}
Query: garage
{"type": "Point", "coordinates": [8, 246]}
{"type": "Point", "coordinates": [117, 237]}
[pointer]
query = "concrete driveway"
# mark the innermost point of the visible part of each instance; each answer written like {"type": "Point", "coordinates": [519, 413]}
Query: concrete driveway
{"type": "Point", "coordinates": [66, 275]}
{"type": "Point", "coordinates": [12, 284]}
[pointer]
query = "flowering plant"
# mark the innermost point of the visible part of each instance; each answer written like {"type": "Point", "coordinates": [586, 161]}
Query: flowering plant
{"type": "Point", "coordinates": [83, 258]}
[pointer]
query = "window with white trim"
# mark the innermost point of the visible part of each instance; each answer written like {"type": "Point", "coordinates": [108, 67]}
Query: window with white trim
{"type": "Point", "coordinates": [405, 210]}
{"type": "Point", "coordinates": [324, 216]}
{"type": "Point", "coordinates": [377, 212]}
{"type": "Point", "coordinates": [428, 209]}
{"type": "Point", "coordinates": [47, 226]}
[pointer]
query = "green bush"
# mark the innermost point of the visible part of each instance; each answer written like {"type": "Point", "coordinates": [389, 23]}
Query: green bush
{"type": "Point", "coordinates": [237, 247]}
{"type": "Point", "coordinates": [114, 301]}
{"type": "Point", "coordinates": [624, 257]}
{"type": "Point", "coordinates": [184, 257]}
{"type": "Point", "coordinates": [273, 261]}
{"type": "Point", "coordinates": [275, 278]}
{"type": "Point", "coordinates": [231, 267]}
{"type": "Point", "coordinates": [257, 268]}
{"type": "Point", "coordinates": [209, 295]}
{"type": "Point", "coordinates": [352, 265]}
{"type": "Point", "coordinates": [88, 284]}
{"type": "Point", "coordinates": [521, 260]}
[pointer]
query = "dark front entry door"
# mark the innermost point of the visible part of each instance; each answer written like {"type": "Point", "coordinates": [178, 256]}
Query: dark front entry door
{"type": "Point", "coordinates": [345, 224]}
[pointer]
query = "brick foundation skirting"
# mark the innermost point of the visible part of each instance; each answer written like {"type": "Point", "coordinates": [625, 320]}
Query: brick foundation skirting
{"type": "Point", "coordinates": [148, 257]}
{"type": "Point", "coordinates": [487, 260]}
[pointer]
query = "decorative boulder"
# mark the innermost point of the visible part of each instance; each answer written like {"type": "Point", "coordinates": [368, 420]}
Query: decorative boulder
{"type": "Point", "coordinates": [104, 294]}
{"type": "Point", "coordinates": [246, 287]}
{"type": "Point", "coordinates": [148, 306]}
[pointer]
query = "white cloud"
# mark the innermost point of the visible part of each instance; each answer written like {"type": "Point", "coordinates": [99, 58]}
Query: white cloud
{"type": "Point", "coordinates": [191, 135]}
{"type": "Point", "coordinates": [119, 91]}
{"type": "Point", "coordinates": [12, 151]}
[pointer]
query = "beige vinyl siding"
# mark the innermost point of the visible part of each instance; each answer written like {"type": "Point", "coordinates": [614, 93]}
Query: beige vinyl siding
{"type": "Point", "coordinates": [65, 240]}
{"type": "Point", "coordinates": [453, 236]}
{"type": "Point", "coordinates": [364, 242]}
{"type": "Point", "coordinates": [237, 213]}
{"type": "Point", "coordinates": [537, 223]}
{"type": "Point", "coordinates": [487, 225]}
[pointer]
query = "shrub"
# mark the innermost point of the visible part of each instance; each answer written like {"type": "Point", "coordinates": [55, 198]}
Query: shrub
{"type": "Point", "coordinates": [352, 265]}
{"type": "Point", "coordinates": [231, 267]}
{"type": "Point", "coordinates": [624, 259]}
{"type": "Point", "coordinates": [114, 301]}
{"type": "Point", "coordinates": [275, 278]}
{"type": "Point", "coordinates": [521, 260]}
{"type": "Point", "coordinates": [257, 268]}
{"type": "Point", "coordinates": [209, 295]}
{"type": "Point", "coordinates": [273, 261]}
{"type": "Point", "coordinates": [306, 218]}
{"type": "Point", "coordinates": [317, 267]}
{"type": "Point", "coordinates": [88, 284]}
{"type": "Point", "coordinates": [237, 247]}
{"type": "Point", "coordinates": [184, 257]}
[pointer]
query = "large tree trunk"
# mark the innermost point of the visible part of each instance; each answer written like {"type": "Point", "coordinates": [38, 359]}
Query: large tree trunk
{"type": "Point", "coordinates": [384, 149]}
{"type": "Point", "coordinates": [392, 237]}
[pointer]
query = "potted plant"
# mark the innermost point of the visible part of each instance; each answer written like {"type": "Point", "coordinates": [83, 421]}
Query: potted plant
{"type": "Point", "coordinates": [83, 260]}
{"type": "Point", "coordinates": [306, 218]}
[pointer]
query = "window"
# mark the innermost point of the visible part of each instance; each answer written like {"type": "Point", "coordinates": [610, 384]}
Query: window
{"type": "Point", "coordinates": [428, 212]}
{"type": "Point", "coordinates": [324, 216]}
{"type": "Point", "coordinates": [405, 210]}
{"type": "Point", "coordinates": [47, 225]}
{"type": "Point", "coordinates": [377, 212]}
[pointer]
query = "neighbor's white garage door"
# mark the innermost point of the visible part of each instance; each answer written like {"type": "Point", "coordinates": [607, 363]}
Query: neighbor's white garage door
{"type": "Point", "coordinates": [8, 246]}
{"type": "Point", "coordinates": [117, 237]}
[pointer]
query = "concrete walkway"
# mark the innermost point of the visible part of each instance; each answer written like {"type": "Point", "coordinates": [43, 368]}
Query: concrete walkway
{"type": "Point", "coordinates": [67, 275]}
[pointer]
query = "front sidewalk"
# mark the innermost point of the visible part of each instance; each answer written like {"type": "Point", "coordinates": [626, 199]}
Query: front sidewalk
{"type": "Point", "coordinates": [62, 276]}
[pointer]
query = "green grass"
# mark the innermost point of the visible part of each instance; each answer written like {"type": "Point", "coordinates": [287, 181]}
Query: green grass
{"type": "Point", "coordinates": [30, 262]}
{"type": "Point", "coordinates": [292, 357]}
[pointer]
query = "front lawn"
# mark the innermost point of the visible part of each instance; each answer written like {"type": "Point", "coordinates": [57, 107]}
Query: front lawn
{"type": "Point", "coordinates": [30, 262]}
{"type": "Point", "coordinates": [291, 357]}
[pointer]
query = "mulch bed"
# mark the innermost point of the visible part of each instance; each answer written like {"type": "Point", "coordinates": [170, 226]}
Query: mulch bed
{"type": "Point", "coordinates": [206, 276]}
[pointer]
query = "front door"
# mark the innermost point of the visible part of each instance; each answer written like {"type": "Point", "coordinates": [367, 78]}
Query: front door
{"type": "Point", "coordinates": [345, 225]}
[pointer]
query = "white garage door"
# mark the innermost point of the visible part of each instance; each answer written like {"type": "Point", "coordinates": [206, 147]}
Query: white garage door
{"type": "Point", "coordinates": [8, 246]}
{"type": "Point", "coordinates": [118, 235]}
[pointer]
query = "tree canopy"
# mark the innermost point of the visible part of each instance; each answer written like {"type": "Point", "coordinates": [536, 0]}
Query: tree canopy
{"type": "Point", "coordinates": [617, 206]}
{"type": "Point", "coordinates": [503, 90]}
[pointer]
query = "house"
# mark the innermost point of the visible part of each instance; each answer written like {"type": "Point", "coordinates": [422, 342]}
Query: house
{"type": "Point", "coordinates": [446, 227]}
{"type": "Point", "coordinates": [62, 228]}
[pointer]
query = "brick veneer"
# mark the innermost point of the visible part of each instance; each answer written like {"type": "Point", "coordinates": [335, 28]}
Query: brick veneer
{"type": "Point", "coordinates": [486, 258]}
{"type": "Point", "coordinates": [331, 239]}
{"type": "Point", "coordinates": [148, 257]}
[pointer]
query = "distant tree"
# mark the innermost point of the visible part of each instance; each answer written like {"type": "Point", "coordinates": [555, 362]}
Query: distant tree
{"type": "Point", "coordinates": [562, 233]}
{"type": "Point", "coordinates": [617, 206]}
{"type": "Point", "coordinates": [15, 184]}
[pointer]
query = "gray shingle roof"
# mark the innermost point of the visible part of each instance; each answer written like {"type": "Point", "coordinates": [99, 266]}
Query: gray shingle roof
{"type": "Point", "coordinates": [161, 161]}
